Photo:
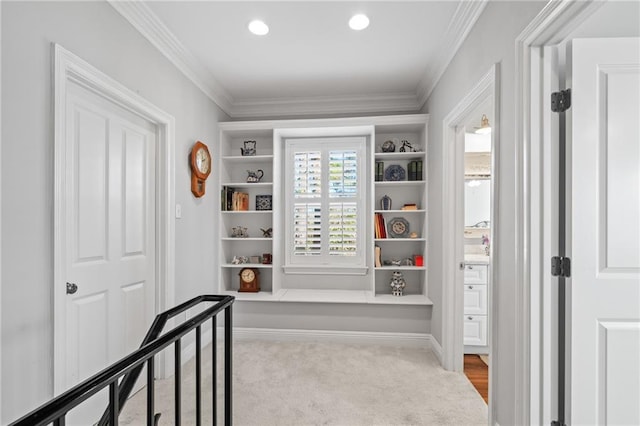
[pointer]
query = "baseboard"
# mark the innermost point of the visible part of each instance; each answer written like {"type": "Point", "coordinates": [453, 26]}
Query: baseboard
{"type": "Point", "coordinates": [437, 350]}
{"type": "Point", "coordinates": [356, 337]}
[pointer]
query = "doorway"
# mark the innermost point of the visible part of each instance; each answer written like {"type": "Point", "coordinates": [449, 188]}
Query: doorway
{"type": "Point", "coordinates": [537, 139]}
{"type": "Point", "coordinates": [482, 99]}
{"type": "Point", "coordinates": [477, 225]}
{"type": "Point", "coordinates": [107, 139]}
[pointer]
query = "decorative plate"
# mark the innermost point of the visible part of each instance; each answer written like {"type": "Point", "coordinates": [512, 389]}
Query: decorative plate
{"type": "Point", "coordinates": [398, 227]}
{"type": "Point", "coordinates": [394, 173]}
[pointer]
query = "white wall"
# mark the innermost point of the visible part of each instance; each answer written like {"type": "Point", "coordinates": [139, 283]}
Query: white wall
{"type": "Point", "coordinates": [98, 34]}
{"type": "Point", "coordinates": [492, 40]}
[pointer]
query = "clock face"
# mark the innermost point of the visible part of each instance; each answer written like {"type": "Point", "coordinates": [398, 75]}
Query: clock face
{"type": "Point", "coordinates": [203, 161]}
{"type": "Point", "coordinates": [247, 275]}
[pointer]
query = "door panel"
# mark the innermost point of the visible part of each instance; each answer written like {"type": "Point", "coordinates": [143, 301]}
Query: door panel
{"type": "Point", "coordinates": [89, 213]}
{"type": "Point", "coordinates": [618, 180]}
{"type": "Point", "coordinates": [604, 311]}
{"type": "Point", "coordinates": [110, 251]}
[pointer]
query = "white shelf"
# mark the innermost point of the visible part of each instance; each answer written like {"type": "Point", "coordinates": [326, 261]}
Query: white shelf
{"type": "Point", "coordinates": [399, 155]}
{"type": "Point", "coordinates": [261, 296]}
{"type": "Point", "coordinates": [399, 240]}
{"type": "Point", "coordinates": [247, 184]}
{"type": "Point", "coordinates": [422, 211]}
{"type": "Point", "coordinates": [247, 158]}
{"type": "Point", "coordinates": [331, 296]}
{"type": "Point", "coordinates": [246, 265]}
{"type": "Point", "coordinates": [400, 183]}
{"type": "Point", "coordinates": [400, 268]}
{"type": "Point", "coordinates": [246, 239]}
{"type": "Point", "coordinates": [246, 211]}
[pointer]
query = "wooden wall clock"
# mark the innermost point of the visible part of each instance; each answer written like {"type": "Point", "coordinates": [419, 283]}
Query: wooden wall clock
{"type": "Point", "coordinates": [249, 280]}
{"type": "Point", "coordinates": [200, 168]}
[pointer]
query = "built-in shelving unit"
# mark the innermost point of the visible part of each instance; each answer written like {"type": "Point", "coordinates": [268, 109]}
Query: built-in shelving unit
{"type": "Point", "coordinates": [233, 167]}
{"type": "Point", "coordinates": [411, 189]}
{"type": "Point", "coordinates": [284, 286]}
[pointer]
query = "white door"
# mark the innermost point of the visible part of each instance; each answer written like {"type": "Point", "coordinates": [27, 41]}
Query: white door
{"type": "Point", "coordinates": [110, 238]}
{"type": "Point", "coordinates": [604, 288]}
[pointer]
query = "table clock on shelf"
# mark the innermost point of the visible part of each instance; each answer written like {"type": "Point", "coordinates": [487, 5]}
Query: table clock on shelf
{"type": "Point", "coordinates": [249, 280]}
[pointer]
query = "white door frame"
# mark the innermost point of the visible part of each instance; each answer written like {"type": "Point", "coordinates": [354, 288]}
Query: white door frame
{"type": "Point", "coordinates": [70, 68]}
{"type": "Point", "coordinates": [0, 210]}
{"type": "Point", "coordinates": [535, 203]}
{"type": "Point", "coordinates": [452, 229]}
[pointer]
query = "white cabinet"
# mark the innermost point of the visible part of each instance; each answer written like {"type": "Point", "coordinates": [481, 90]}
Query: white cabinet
{"type": "Point", "coordinates": [475, 330]}
{"type": "Point", "coordinates": [475, 304]}
{"type": "Point", "coordinates": [475, 274]}
{"type": "Point", "coordinates": [475, 299]}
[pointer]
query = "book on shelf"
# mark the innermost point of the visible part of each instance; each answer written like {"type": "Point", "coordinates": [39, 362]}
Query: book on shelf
{"type": "Point", "coordinates": [380, 226]}
{"type": "Point", "coordinates": [240, 201]}
{"type": "Point", "coordinates": [379, 175]}
{"type": "Point", "coordinates": [419, 170]}
{"type": "Point", "coordinates": [411, 169]}
{"type": "Point", "coordinates": [414, 170]}
{"type": "Point", "coordinates": [232, 200]}
{"type": "Point", "coordinates": [378, 254]}
{"type": "Point", "coordinates": [409, 207]}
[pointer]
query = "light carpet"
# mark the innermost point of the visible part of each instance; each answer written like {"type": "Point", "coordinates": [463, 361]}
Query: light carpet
{"type": "Point", "coordinates": [306, 383]}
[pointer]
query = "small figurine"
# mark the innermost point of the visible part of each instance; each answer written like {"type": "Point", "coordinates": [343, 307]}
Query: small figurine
{"type": "Point", "coordinates": [397, 283]}
{"type": "Point", "coordinates": [249, 148]}
{"type": "Point", "coordinates": [254, 177]}
{"type": "Point", "coordinates": [239, 232]}
{"type": "Point", "coordinates": [267, 233]}
{"type": "Point", "coordinates": [406, 147]}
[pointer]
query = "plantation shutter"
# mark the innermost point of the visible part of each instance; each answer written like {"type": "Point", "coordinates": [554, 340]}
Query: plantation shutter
{"type": "Point", "coordinates": [307, 215]}
{"type": "Point", "coordinates": [343, 215]}
{"type": "Point", "coordinates": [324, 200]}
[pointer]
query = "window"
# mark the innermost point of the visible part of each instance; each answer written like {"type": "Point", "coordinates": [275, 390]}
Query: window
{"type": "Point", "coordinates": [324, 198]}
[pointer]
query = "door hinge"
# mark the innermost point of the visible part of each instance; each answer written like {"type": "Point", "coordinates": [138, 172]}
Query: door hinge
{"type": "Point", "coordinates": [561, 101]}
{"type": "Point", "coordinates": [560, 266]}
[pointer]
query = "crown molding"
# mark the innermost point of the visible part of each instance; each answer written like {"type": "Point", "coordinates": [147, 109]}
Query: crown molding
{"type": "Point", "coordinates": [153, 29]}
{"type": "Point", "coordinates": [319, 105]}
{"type": "Point", "coordinates": [461, 24]}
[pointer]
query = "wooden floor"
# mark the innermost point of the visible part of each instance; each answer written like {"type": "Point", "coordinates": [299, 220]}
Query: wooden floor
{"type": "Point", "coordinates": [478, 374]}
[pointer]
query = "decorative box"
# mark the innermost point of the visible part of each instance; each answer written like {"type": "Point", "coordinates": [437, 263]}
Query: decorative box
{"type": "Point", "coordinates": [263, 202]}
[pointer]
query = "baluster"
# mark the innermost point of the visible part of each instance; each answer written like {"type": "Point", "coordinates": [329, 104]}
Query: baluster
{"type": "Point", "coordinates": [228, 403]}
{"type": "Point", "coordinates": [214, 371]}
{"type": "Point", "coordinates": [198, 375]}
{"type": "Point", "coordinates": [178, 382]}
{"type": "Point", "coordinates": [150, 392]}
{"type": "Point", "coordinates": [113, 403]}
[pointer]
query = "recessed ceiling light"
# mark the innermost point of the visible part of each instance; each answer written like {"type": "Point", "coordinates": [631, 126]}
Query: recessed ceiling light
{"type": "Point", "coordinates": [359, 22]}
{"type": "Point", "coordinates": [258, 27]}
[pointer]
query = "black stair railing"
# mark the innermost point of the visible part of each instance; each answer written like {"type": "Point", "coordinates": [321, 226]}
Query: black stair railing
{"type": "Point", "coordinates": [129, 369]}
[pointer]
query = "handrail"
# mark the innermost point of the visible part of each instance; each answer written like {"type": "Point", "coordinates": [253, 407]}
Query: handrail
{"type": "Point", "coordinates": [131, 366]}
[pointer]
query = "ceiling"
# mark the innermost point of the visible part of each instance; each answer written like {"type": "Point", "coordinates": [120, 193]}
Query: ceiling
{"type": "Point", "coordinates": [311, 62]}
